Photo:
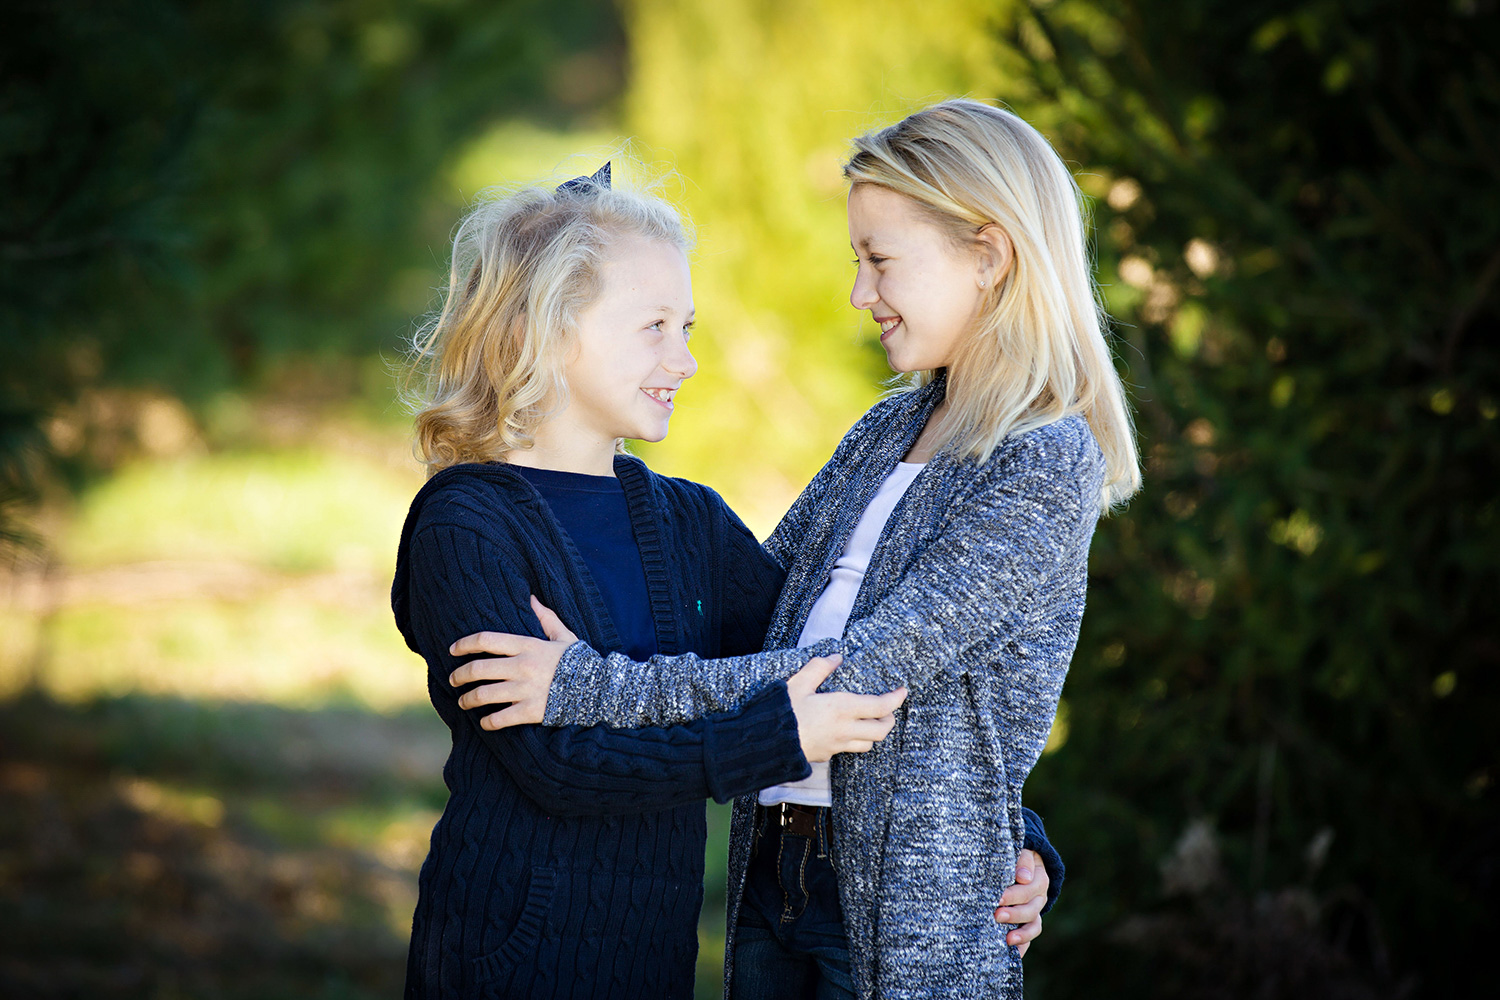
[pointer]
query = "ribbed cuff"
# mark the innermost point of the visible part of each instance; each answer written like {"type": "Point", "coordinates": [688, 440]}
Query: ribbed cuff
{"type": "Point", "coordinates": [755, 747]}
{"type": "Point", "coordinates": [1036, 840]}
{"type": "Point", "coordinates": [578, 671]}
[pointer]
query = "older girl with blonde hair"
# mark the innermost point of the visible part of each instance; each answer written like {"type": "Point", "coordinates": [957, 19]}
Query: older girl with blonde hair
{"type": "Point", "coordinates": [943, 548]}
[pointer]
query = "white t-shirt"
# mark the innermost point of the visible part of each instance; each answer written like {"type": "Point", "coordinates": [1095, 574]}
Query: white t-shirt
{"type": "Point", "coordinates": [830, 613]}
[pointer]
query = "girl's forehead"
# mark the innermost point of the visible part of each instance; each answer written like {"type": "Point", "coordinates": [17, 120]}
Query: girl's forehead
{"type": "Point", "coordinates": [648, 275]}
{"type": "Point", "coordinates": [881, 217]}
{"type": "Point", "coordinates": [642, 258]}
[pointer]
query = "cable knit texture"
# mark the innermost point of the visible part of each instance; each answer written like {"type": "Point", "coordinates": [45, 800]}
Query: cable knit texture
{"type": "Point", "coordinates": [972, 599]}
{"type": "Point", "coordinates": [569, 861]}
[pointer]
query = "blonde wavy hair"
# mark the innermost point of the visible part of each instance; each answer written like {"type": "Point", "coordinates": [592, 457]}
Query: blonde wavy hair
{"type": "Point", "coordinates": [1038, 352]}
{"type": "Point", "coordinates": [488, 368]}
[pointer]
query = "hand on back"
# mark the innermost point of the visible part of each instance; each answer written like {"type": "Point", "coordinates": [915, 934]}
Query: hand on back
{"type": "Point", "coordinates": [1023, 901]}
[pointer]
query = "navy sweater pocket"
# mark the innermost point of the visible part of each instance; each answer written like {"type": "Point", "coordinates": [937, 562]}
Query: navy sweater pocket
{"type": "Point", "coordinates": [494, 968]}
{"type": "Point", "coordinates": [596, 934]}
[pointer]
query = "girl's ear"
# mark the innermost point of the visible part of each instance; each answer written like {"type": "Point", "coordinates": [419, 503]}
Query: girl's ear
{"type": "Point", "coordinates": [996, 255]}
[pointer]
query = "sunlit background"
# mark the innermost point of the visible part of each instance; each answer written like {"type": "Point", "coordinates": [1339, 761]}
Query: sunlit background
{"type": "Point", "coordinates": [218, 769]}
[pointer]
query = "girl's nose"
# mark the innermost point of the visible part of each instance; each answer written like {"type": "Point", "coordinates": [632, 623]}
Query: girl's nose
{"type": "Point", "coordinates": [680, 360]}
{"type": "Point", "coordinates": [862, 295]}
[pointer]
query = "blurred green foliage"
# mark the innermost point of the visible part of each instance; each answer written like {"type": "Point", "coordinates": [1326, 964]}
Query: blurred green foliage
{"type": "Point", "coordinates": [195, 196]}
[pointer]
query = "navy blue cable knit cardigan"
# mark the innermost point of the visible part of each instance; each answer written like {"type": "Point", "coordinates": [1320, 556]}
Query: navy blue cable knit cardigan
{"type": "Point", "coordinates": [569, 861]}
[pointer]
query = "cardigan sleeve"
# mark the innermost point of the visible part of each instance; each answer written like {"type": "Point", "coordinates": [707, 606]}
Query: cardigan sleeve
{"type": "Point", "coordinates": [462, 582]}
{"type": "Point", "coordinates": [969, 585]}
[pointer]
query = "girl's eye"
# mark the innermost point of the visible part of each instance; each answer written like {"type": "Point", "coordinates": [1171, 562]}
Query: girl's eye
{"type": "Point", "coordinates": [687, 332]}
{"type": "Point", "coordinates": [874, 261]}
{"type": "Point", "coordinates": [657, 326]}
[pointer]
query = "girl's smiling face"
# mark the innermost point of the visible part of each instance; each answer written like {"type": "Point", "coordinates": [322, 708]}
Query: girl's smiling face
{"type": "Point", "coordinates": [631, 352]}
{"type": "Point", "coordinates": [922, 291]}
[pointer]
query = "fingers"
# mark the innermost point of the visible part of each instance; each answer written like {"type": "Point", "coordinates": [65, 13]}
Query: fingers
{"type": "Point", "coordinates": [1023, 936]}
{"type": "Point", "coordinates": [1020, 913]}
{"type": "Point", "coordinates": [506, 692]}
{"type": "Point", "coordinates": [552, 626]}
{"type": "Point", "coordinates": [1031, 881]}
{"type": "Point", "coordinates": [1026, 929]}
{"type": "Point", "coordinates": [1022, 903]}
{"type": "Point", "coordinates": [1020, 895]}
{"type": "Point", "coordinates": [485, 670]}
{"type": "Point", "coordinates": [518, 714]}
{"type": "Point", "coordinates": [873, 730]}
{"type": "Point", "coordinates": [494, 643]}
{"type": "Point", "coordinates": [869, 706]}
{"type": "Point", "coordinates": [813, 673]}
{"type": "Point", "coordinates": [861, 735]}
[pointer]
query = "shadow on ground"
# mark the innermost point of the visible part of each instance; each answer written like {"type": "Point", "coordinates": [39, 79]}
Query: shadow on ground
{"type": "Point", "coordinates": [156, 847]}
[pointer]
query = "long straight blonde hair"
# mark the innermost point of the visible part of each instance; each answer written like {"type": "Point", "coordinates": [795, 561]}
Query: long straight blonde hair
{"type": "Point", "coordinates": [489, 366]}
{"type": "Point", "coordinates": [1037, 352]}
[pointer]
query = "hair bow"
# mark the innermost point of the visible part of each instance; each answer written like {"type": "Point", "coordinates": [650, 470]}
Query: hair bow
{"type": "Point", "coordinates": [587, 185]}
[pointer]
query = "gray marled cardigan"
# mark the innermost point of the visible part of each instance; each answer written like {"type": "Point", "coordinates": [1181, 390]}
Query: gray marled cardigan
{"type": "Point", "coordinates": [972, 599]}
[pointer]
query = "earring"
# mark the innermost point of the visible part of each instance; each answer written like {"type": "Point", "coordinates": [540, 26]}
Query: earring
{"type": "Point", "coordinates": [981, 282]}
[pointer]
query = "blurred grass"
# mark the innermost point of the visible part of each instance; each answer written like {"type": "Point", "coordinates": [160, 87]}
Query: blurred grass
{"type": "Point", "coordinates": [165, 847]}
{"type": "Point", "coordinates": [294, 510]}
{"type": "Point", "coordinates": [254, 575]}
{"type": "Point", "coordinates": [278, 646]}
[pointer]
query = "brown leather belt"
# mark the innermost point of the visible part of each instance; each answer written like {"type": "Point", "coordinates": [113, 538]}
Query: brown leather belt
{"type": "Point", "coordinates": [797, 819]}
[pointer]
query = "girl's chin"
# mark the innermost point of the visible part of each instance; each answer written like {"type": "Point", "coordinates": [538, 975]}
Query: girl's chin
{"type": "Point", "coordinates": [898, 357]}
{"type": "Point", "coordinates": [651, 435]}
{"type": "Point", "coordinates": [901, 364]}
{"type": "Point", "coordinates": [904, 362]}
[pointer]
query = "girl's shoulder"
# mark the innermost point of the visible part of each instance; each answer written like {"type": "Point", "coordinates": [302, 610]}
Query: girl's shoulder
{"type": "Point", "coordinates": [1061, 458]}
{"type": "Point", "coordinates": [485, 498]}
{"type": "Point", "coordinates": [1065, 442]}
{"type": "Point", "coordinates": [467, 504]}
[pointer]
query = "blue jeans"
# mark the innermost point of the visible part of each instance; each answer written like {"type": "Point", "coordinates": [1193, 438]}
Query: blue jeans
{"type": "Point", "coordinates": [789, 940]}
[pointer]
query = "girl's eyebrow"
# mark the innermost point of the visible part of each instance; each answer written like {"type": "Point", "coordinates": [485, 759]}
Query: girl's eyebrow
{"type": "Point", "coordinates": [665, 310]}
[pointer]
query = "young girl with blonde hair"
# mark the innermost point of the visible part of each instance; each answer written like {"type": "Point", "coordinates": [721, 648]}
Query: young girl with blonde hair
{"type": "Point", "coordinates": [569, 861]}
{"type": "Point", "coordinates": [943, 548]}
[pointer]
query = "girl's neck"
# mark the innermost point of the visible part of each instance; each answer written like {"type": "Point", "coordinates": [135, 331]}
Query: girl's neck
{"type": "Point", "coordinates": [566, 452]}
{"type": "Point", "coordinates": [925, 445]}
